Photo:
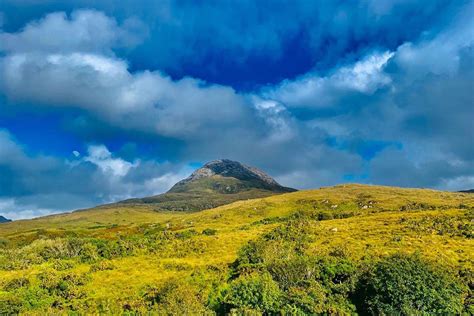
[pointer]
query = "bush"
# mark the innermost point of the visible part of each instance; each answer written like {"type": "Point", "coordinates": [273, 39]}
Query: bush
{"type": "Point", "coordinates": [10, 304]}
{"type": "Point", "coordinates": [286, 241]}
{"type": "Point", "coordinates": [407, 285]}
{"type": "Point", "coordinates": [102, 266]}
{"type": "Point", "coordinates": [67, 286]}
{"type": "Point", "coordinates": [62, 265]}
{"type": "Point", "coordinates": [209, 232]}
{"type": "Point", "coordinates": [16, 284]}
{"type": "Point", "coordinates": [257, 292]}
{"type": "Point", "coordinates": [177, 297]}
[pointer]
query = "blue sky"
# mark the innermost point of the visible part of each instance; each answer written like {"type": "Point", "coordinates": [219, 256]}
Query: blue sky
{"type": "Point", "coordinates": [105, 100]}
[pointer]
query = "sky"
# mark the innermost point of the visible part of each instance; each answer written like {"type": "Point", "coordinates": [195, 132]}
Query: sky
{"type": "Point", "coordinates": [106, 100]}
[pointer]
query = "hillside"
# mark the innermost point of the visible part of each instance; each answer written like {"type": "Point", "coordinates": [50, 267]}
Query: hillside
{"type": "Point", "coordinates": [308, 251]}
{"type": "Point", "coordinates": [4, 220]}
{"type": "Point", "coordinates": [217, 183]}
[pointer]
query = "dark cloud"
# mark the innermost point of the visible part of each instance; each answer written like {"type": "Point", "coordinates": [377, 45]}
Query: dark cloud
{"type": "Point", "coordinates": [419, 98]}
{"type": "Point", "coordinates": [240, 43]}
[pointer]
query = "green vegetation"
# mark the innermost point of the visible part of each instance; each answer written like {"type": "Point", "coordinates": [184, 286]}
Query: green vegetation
{"type": "Point", "coordinates": [408, 285]}
{"type": "Point", "coordinates": [342, 250]}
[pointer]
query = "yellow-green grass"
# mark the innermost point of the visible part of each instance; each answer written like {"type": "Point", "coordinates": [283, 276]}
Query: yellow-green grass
{"type": "Point", "coordinates": [383, 220]}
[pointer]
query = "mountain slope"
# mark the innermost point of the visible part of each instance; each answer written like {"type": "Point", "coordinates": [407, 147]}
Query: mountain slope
{"type": "Point", "coordinates": [217, 183]}
{"type": "Point", "coordinates": [121, 257]}
{"type": "Point", "coordinates": [4, 220]}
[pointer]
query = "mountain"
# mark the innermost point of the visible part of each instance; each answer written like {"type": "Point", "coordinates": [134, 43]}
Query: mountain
{"type": "Point", "coordinates": [467, 191]}
{"type": "Point", "coordinates": [217, 183]}
{"type": "Point", "coordinates": [4, 220]}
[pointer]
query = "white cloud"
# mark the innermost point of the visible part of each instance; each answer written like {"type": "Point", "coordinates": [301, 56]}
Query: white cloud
{"type": "Point", "coordinates": [145, 101]}
{"type": "Point", "coordinates": [102, 157]}
{"type": "Point", "coordinates": [84, 30]}
{"type": "Point", "coordinates": [277, 118]}
{"type": "Point", "coordinates": [441, 54]}
{"type": "Point", "coordinates": [364, 76]}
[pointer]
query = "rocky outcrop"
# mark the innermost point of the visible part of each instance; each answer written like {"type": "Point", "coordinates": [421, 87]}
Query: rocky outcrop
{"type": "Point", "coordinates": [233, 169]}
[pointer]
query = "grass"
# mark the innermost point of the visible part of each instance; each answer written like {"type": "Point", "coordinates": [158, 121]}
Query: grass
{"type": "Point", "coordinates": [363, 222]}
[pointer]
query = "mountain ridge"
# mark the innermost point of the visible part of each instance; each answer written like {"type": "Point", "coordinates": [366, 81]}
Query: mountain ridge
{"type": "Point", "coordinates": [232, 169]}
{"type": "Point", "coordinates": [4, 219]}
{"type": "Point", "coordinates": [216, 183]}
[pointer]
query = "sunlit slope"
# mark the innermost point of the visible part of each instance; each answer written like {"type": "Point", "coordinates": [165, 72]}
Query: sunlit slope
{"type": "Point", "coordinates": [344, 201]}
{"type": "Point", "coordinates": [353, 198]}
{"type": "Point", "coordinates": [86, 221]}
{"type": "Point", "coordinates": [357, 220]}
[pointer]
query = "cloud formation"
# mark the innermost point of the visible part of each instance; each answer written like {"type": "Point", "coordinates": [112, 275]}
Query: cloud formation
{"type": "Point", "coordinates": [83, 30]}
{"type": "Point", "coordinates": [39, 185]}
{"type": "Point", "coordinates": [395, 112]}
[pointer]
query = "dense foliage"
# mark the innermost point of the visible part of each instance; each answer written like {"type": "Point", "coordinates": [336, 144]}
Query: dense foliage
{"type": "Point", "coordinates": [407, 285]}
{"type": "Point", "coordinates": [273, 274]}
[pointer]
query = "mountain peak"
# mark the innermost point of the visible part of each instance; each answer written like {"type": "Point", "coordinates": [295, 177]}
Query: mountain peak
{"type": "Point", "coordinates": [4, 220]}
{"type": "Point", "coordinates": [216, 183]}
{"type": "Point", "coordinates": [226, 168]}
{"type": "Point", "coordinates": [230, 168]}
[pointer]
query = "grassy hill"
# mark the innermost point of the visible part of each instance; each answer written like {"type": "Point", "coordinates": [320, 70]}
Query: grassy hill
{"type": "Point", "coordinates": [307, 252]}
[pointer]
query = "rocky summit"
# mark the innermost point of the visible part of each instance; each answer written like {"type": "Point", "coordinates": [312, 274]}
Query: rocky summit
{"type": "Point", "coordinates": [216, 183]}
{"type": "Point", "coordinates": [225, 168]}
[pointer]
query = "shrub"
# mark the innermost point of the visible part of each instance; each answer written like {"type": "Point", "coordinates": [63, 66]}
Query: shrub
{"type": "Point", "coordinates": [209, 232]}
{"type": "Point", "coordinates": [88, 253]}
{"type": "Point", "coordinates": [306, 299]}
{"type": "Point", "coordinates": [62, 265]}
{"type": "Point", "coordinates": [177, 297]}
{"type": "Point", "coordinates": [10, 304]}
{"type": "Point", "coordinates": [102, 266]}
{"type": "Point", "coordinates": [4, 242]}
{"type": "Point", "coordinates": [284, 242]}
{"type": "Point", "coordinates": [292, 272]}
{"type": "Point", "coordinates": [67, 286]}
{"type": "Point", "coordinates": [186, 234]}
{"type": "Point", "coordinates": [257, 292]}
{"type": "Point", "coordinates": [315, 285]}
{"type": "Point", "coordinates": [407, 285]}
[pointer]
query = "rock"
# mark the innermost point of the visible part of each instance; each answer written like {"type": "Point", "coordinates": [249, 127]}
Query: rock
{"type": "Point", "coordinates": [334, 229]}
{"type": "Point", "coordinates": [232, 169]}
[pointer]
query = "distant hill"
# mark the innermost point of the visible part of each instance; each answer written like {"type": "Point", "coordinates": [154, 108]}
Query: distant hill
{"type": "Point", "coordinates": [467, 191]}
{"type": "Point", "coordinates": [4, 220]}
{"type": "Point", "coordinates": [217, 183]}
